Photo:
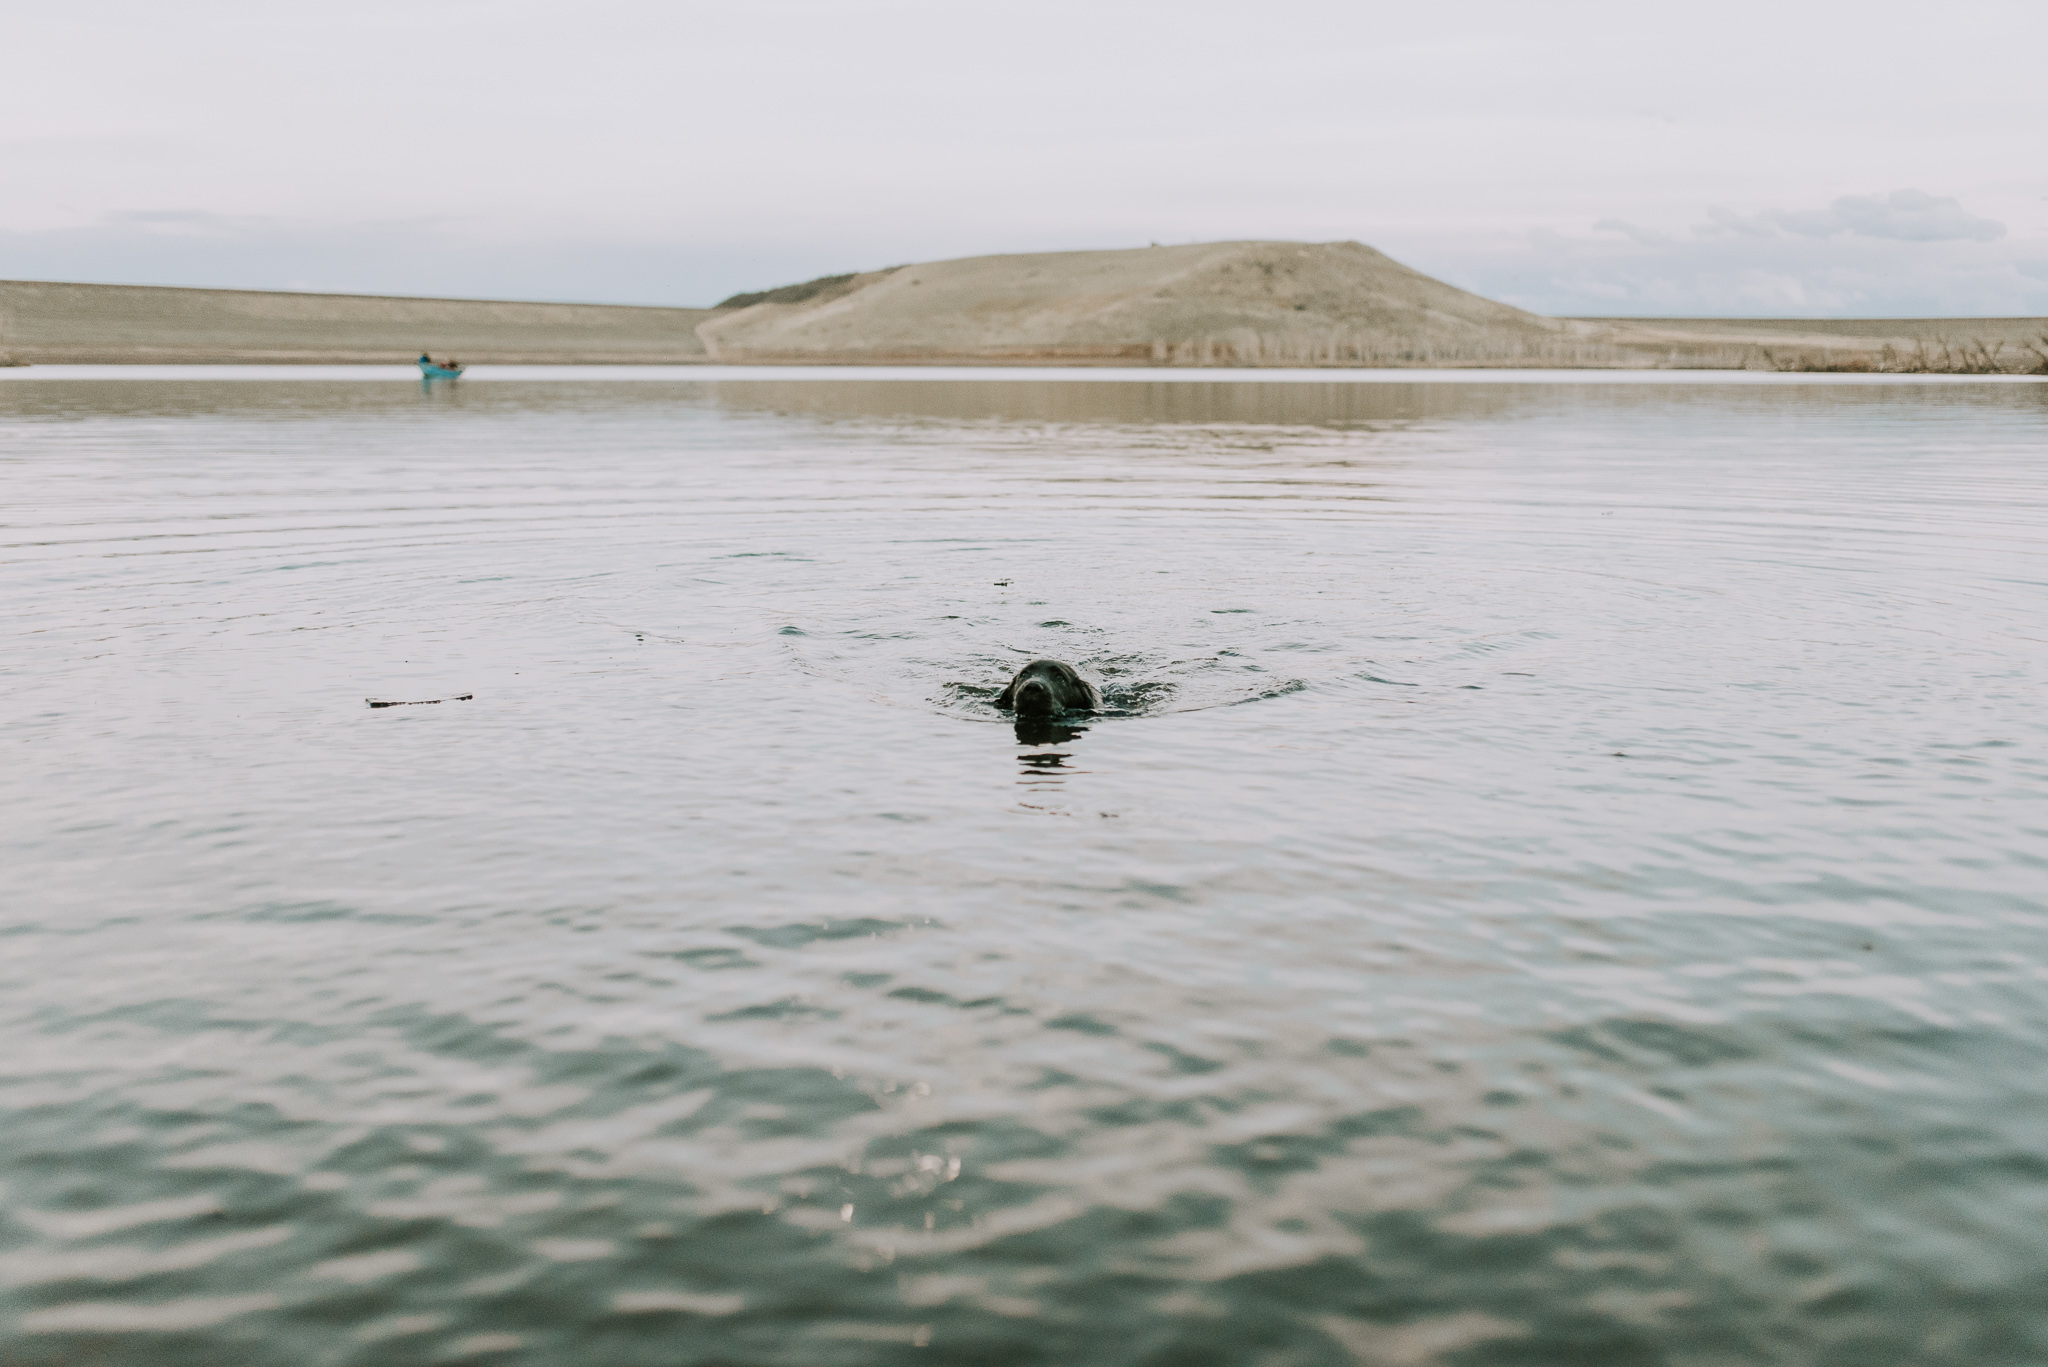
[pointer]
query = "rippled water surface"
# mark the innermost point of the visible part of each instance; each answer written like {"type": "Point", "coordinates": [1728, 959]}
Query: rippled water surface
{"type": "Point", "coordinates": [1563, 880]}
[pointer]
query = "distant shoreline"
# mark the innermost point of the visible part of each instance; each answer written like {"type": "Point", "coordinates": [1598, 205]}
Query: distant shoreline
{"type": "Point", "coordinates": [2007, 329]}
{"type": "Point", "coordinates": [718, 372]}
{"type": "Point", "coordinates": [62, 323]}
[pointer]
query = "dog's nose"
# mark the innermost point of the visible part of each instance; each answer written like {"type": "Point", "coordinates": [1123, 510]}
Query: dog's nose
{"type": "Point", "coordinates": [1034, 697]}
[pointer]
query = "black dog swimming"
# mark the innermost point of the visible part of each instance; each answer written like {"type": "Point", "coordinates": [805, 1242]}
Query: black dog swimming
{"type": "Point", "coordinates": [1046, 688]}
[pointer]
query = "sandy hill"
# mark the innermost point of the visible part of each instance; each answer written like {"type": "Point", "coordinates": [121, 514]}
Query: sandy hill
{"type": "Point", "coordinates": [1273, 303]}
{"type": "Point", "coordinates": [1212, 304]}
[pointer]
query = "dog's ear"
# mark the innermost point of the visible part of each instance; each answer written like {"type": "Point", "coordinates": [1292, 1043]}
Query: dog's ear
{"type": "Point", "coordinates": [1088, 692]}
{"type": "Point", "coordinates": [1008, 697]}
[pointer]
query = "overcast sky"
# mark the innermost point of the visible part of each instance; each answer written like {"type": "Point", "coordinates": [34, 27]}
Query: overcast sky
{"type": "Point", "coordinates": [1732, 158]}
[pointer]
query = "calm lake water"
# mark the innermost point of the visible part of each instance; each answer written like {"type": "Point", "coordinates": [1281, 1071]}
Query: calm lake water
{"type": "Point", "coordinates": [1564, 881]}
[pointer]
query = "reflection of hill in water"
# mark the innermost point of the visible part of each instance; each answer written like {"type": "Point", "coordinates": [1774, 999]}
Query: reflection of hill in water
{"type": "Point", "coordinates": [1054, 399]}
{"type": "Point", "coordinates": [1102, 401]}
{"type": "Point", "coordinates": [1336, 404]}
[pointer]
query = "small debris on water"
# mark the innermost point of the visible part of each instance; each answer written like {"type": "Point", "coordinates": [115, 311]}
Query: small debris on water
{"type": "Point", "coordinates": [1002, 583]}
{"type": "Point", "coordinates": [416, 702]}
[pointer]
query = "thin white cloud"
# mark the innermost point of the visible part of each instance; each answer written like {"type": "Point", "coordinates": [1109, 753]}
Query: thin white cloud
{"type": "Point", "coordinates": [1901, 216]}
{"type": "Point", "coordinates": [1648, 237]}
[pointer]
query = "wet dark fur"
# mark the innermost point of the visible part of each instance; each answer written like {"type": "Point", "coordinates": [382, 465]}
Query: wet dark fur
{"type": "Point", "coordinates": [1045, 687]}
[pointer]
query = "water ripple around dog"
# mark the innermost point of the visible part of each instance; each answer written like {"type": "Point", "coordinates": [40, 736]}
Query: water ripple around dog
{"type": "Point", "coordinates": [1559, 878]}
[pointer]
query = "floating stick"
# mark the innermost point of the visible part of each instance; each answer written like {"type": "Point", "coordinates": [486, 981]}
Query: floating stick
{"type": "Point", "coordinates": [416, 702]}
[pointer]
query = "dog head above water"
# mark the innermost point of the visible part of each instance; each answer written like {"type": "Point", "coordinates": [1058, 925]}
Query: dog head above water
{"type": "Point", "coordinates": [1045, 688]}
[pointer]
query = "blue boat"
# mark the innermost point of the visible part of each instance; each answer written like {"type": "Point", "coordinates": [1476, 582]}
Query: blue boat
{"type": "Point", "coordinates": [429, 370]}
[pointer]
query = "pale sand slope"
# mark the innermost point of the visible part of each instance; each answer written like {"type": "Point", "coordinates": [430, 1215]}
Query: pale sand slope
{"type": "Point", "coordinates": [1222, 303]}
{"type": "Point", "coordinates": [121, 324]}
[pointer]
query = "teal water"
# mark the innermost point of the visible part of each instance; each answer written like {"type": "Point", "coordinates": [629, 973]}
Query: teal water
{"type": "Point", "coordinates": [1569, 885]}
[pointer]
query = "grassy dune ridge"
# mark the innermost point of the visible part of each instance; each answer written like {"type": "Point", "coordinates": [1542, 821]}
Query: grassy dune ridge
{"type": "Point", "coordinates": [1255, 303]}
{"type": "Point", "coordinates": [74, 324]}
